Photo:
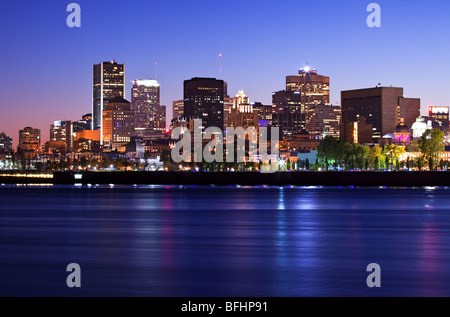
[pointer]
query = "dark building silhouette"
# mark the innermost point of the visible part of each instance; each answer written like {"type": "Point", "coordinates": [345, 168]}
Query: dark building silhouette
{"type": "Point", "coordinates": [288, 113]}
{"type": "Point", "coordinates": [381, 107]}
{"type": "Point", "coordinates": [203, 99]}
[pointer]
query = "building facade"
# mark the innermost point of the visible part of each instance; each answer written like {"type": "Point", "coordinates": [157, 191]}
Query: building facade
{"type": "Point", "coordinates": [118, 123]}
{"type": "Point", "coordinates": [29, 142]}
{"type": "Point", "coordinates": [160, 118]}
{"type": "Point", "coordinates": [177, 109]}
{"type": "Point", "coordinates": [381, 107]}
{"type": "Point", "coordinates": [289, 113]}
{"type": "Point", "coordinates": [323, 120]}
{"type": "Point", "coordinates": [203, 98]}
{"type": "Point", "coordinates": [314, 88]}
{"type": "Point", "coordinates": [5, 144]}
{"type": "Point", "coordinates": [108, 83]}
{"type": "Point", "coordinates": [60, 131]}
{"type": "Point", "coordinates": [145, 101]}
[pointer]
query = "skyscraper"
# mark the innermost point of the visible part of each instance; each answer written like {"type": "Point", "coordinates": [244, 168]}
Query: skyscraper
{"type": "Point", "coordinates": [29, 142]}
{"type": "Point", "coordinates": [314, 88]}
{"type": "Point", "coordinates": [118, 123]}
{"type": "Point", "coordinates": [177, 109]}
{"type": "Point", "coordinates": [303, 91]}
{"type": "Point", "coordinates": [5, 143]}
{"type": "Point", "coordinates": [60, 131]}
{"type": "Point", "coordinates": [160, 118]}
{"type": "Point", "coordinates": [145, 101]}
{"type": "Point", "coordinates": [382, 107]}
{"type": "Point", "coordinates": [242, 113]}
{"type": "Point", "coordinates": [288, 112]}
{"type": "Point", "coordinates": [322, 119]}
{"type": "Point", "coordinates": [203, 99]}
{"type": "Point", "coordinates": [108, 83]}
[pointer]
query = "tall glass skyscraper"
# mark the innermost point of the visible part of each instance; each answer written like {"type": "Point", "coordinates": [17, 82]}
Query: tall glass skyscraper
{"type": "Point", "coordinates": [108, 83]}
{"type": "Point", "coordinates": [145, 101]}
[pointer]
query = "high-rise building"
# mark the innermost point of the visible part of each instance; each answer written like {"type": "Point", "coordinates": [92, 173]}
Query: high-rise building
{"type": "Point", "coordinates": [84, 124]}
{"type": "Point", "coordinates": [29, 141]}
{"type": "Point", "coordinates": [314, 88]}
{"type": "Point", "coordinates": [118, 123]}
{"type": "Point", "coordinates": [5, 143]}
{"type": "Point", "coordinates": [108, 83]}
{"type": "Point", "coordinates": [303, 91]}
{"type": "Point", "coordinates": [177, 109]}
{"type": "Point", "coordinates": [288, 112]}
{"type": "Point", "coordinates": [203, 98]}
{"type": "Point", "coordinates": [323, 119]}
{"type": "Point", "coordinates": [227, 105]}
{"type": "Point", "coordinates": [382, 107]}
{"type": "Point", "coordinates": [242, 113]}
{"type": "Point", "coordinates": [145, 100]}
{"type": "Point", "coordinates": [265, 114]}
{"type": "Point", "coordinates": [160, 118]}
{"type": "Point", "coordinates": [60, 131]}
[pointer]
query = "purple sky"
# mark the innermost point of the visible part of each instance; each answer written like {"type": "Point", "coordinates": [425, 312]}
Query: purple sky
{"type": "Point", "coordinates": [47, 67]}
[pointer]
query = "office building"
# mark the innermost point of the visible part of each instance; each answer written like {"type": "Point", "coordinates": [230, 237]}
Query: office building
{"type": "Point", "coordinates": [118, 123]}
{"type": "Point", "coordinates": [108, 83]}
{"type": "Point", "coordinates": [29, 142]}
{"type": "Point", "coordinates": [203, 98]}
{"type": "Point", "coordinates": [160, 118]}
{"type": "Point", "coordinates": [5, 144]}
{"type": "Point", "coordinates": [177, 109]}
{"type": "Point", "coordinates": [288, 112]}
{"type": "Point", "coordinates": [314, 88]}
{"type": "Point", "coordinates": [145, 100]}
{"type": "Point", "coordinates": [323, 120]}
{"type": "Point", "coordinates": [87, 141]}
{"type": "Point", "coordinates": [382, 107]}
{"type": "Point", "coordinates": [242, 113]}
{"type": "Point", "coordinates": [60, 131]}
{"type": "Point", "coordinates": [358, 131]}
{"type": "Point", "coordinates": [265, 114]}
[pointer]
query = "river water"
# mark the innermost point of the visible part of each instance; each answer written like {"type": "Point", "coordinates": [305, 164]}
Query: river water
{"type": "Point", "coordinates": [224, 241]}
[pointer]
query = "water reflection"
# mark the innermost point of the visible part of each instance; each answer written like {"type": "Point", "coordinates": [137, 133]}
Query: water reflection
{"type": "Point", "coordinates": [224, 241]}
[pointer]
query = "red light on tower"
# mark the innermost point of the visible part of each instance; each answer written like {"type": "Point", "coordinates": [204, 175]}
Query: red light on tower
{"type": "Point", "coordinates": [167, 130]}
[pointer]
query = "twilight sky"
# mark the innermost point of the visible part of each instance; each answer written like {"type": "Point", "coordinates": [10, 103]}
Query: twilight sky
{"type": "Point", "coordinates": [47, 67]}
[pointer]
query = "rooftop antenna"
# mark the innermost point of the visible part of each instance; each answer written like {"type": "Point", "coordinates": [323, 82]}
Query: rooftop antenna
{"type": "Point", "coordinates": [220, 66]}
{"type": "Point", "coordinates": [156, 71]}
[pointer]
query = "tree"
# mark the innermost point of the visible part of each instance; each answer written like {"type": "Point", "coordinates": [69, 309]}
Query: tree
{"type": "Point", "coordinates": [331, 151]}
{"type": "Point", "coordinates": [431, 145]}
{"type": "Point", "coordinates": [393, 153]}
{"type": "Point", "coordinates": [375, 156]}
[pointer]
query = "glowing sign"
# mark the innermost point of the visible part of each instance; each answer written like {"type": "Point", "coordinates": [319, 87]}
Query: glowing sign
{"type": "Point", "coordinates": [438, 110]}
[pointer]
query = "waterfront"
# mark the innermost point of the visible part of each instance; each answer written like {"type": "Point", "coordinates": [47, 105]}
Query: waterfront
{"type": "Point", "coordinates": [152, 240]}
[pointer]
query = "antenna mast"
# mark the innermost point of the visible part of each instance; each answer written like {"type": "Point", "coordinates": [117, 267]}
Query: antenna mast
{"type": "Point", "coordinates": [220, 66]}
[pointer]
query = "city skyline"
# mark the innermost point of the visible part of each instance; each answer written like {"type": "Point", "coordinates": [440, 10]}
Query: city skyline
{"type": "Point", "coordinates": [402, 53]}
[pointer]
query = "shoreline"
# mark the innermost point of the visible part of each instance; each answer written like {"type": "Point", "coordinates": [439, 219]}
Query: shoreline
{"type": "Point", "coordinates": [361, 179]}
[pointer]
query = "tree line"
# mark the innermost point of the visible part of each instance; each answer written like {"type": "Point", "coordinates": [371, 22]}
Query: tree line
{"type": "Point", "coordinates": [335, 154]}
